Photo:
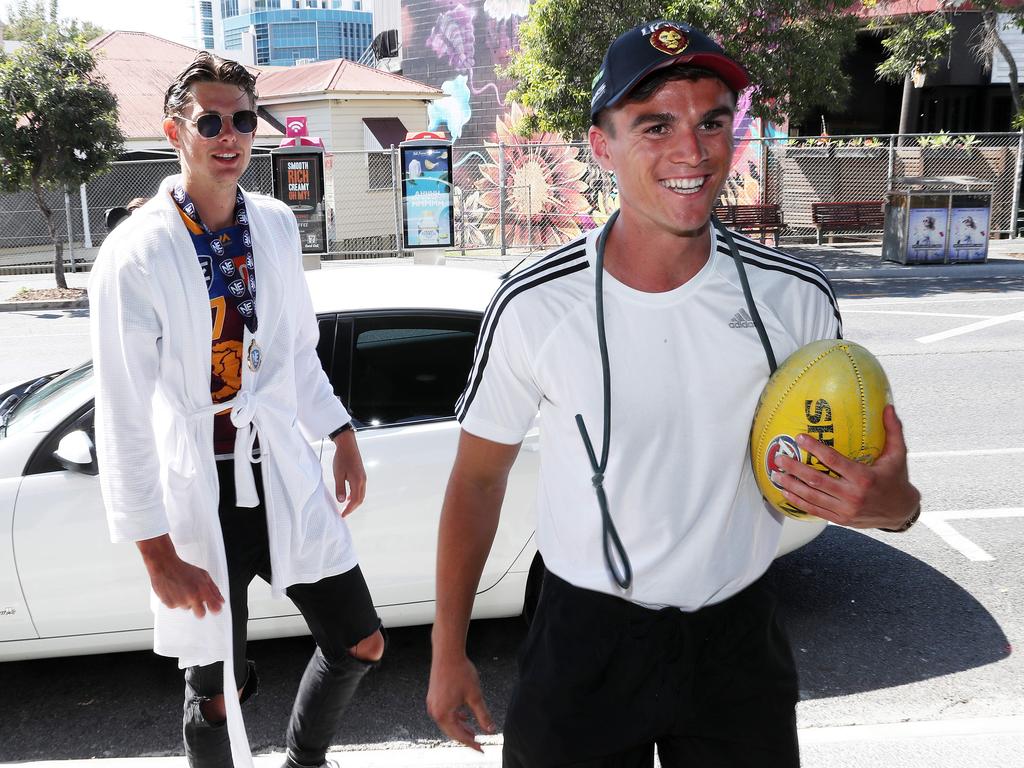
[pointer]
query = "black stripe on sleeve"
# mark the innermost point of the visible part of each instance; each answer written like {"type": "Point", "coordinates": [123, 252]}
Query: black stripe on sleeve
{"type": "Point", "coordinates": [777, 261]}
{"type": "Point", "coordinates": [556, 268]}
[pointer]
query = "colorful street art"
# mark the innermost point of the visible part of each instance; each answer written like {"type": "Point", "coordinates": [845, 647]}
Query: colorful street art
{"type": "Point", "coordinates": [552, 192]}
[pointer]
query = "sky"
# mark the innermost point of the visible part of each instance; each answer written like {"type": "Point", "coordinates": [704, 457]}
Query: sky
{"type": "Point", "coordinates": [170, 19]}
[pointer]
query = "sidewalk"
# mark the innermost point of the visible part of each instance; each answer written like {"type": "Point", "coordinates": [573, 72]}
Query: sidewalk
{"type": "Point", "coordinates": [996, 742]}
{"type": "Point", "coordinates": [848, 261]}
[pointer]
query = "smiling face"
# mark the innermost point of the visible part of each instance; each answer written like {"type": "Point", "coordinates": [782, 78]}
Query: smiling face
{"type": "Point", "coordinates": [216, 163]}
{"type": "Point", "coordinates": [671, 154]}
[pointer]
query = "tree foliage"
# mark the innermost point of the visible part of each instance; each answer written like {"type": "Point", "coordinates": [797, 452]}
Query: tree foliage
{"type": "Point", "coordinates": [28, 21]}
{"type": "Point", "coordinates": [919, 41]}
{"type": "Point", "coordinates": [792, 49]}
{"type": "Point", "coordinates": [923, 37]}
{"type": "Point", "coordinates": [58, 123]}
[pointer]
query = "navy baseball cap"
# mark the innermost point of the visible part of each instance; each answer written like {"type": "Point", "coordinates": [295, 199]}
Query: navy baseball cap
{"type": "Point", "coordinates": [641, 50]}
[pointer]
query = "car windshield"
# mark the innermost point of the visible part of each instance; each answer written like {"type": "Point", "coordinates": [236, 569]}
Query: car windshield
{"type": "Point", "coordinates": [56, 393]}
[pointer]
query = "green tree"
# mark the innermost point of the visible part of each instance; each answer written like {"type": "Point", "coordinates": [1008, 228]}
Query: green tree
{"type": "Point", "coordinates": [58, 124]}
{"type": "Point", "coordinates": [922, 39]}
{"type": "Point", "coordinates": [28, 21]}
{"type": "Point", "coordinates": [793, 50]}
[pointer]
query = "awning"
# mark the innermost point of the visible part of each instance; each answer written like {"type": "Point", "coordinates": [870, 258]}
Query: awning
{"type": "Point", "coordinates": [385, 131]}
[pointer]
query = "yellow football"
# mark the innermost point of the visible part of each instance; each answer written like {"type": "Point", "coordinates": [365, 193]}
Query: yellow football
{"type": "Point", "coordinates": [833, 390]}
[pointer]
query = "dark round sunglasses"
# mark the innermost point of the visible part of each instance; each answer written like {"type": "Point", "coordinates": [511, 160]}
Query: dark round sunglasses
{"type": "Point", "coordinates": [210, 124]}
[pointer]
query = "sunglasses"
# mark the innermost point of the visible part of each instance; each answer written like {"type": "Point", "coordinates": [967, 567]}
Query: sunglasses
{"type": "Point", "coordinates": [210, 124]}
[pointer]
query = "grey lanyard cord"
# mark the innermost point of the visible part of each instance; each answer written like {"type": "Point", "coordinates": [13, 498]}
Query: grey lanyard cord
{"type": "Point", "coordinates": [610, 536]}
{"type": "Point", "coordinates": [751, 306]}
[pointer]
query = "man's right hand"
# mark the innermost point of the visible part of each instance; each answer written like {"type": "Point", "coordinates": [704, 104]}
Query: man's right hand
{"type": "Point", "coordinates": [455, 687]}
{"type": "Point", "coordinates": [469, 518]}
{"type": "Point", "coordinates": [179, 584]}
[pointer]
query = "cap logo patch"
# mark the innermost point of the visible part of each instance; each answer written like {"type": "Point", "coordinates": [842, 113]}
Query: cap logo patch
{"type": "Point", "coordinates": [669, 39]}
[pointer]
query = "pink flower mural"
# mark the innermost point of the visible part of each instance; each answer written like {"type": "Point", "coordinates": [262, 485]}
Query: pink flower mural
{"type": "Point", "coordinates": [545, 191]}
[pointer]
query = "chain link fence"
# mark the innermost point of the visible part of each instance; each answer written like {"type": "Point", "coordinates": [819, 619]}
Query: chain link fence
{"type": "Point", "coordinates": [525, 197]}
{"type": "Point", "coordinates": [798, 172]}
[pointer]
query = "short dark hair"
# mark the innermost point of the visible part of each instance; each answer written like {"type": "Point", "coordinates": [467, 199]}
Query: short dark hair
{"type": "Point", "coordinates": [653, 83]}
{"type": "Point", "coordinates": [207, 68]}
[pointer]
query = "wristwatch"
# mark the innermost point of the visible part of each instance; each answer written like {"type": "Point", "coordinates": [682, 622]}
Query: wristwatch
{"type": "Point", "coordinates": [343, 428]}
{"type": "Point", "coordinates": [907, 525]}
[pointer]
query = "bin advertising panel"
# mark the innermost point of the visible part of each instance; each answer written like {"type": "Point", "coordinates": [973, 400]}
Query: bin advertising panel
{"type": "Point", "coordinates": [299, 183]}
{"type": "Point", "coordinates": [927, 227]}
{"type": "Point", "coordinates": [427, 198]}
{"type": "Point", "coordinates": [969, 228]}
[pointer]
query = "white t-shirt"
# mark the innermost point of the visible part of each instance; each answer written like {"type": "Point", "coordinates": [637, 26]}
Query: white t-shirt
{"type": "Point", "coordinates": [687, 368]}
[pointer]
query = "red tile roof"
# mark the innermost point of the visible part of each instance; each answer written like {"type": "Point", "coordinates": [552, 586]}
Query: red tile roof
{"type": "Point", "coordinates": [338, 76]}
{"type": "Point", "coordinates": [138, 67]}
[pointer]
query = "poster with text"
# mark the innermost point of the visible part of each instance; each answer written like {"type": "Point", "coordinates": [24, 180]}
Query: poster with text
{"type": "Point", "coordinates": [926, 236]}
{"type": "Point", "coordinates": [299, 183]}
{"type": "Point", "coordinates": [427, 196]}
{"type": "Point", "coordinates": [968, 232]}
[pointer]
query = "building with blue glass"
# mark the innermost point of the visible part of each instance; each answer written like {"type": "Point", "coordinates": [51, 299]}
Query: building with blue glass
{"type": "Point", "coordinates": [290, 31]}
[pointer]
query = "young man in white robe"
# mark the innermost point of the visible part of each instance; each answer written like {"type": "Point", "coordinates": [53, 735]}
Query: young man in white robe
{"type": "Point", "coordinates": [209, 391]}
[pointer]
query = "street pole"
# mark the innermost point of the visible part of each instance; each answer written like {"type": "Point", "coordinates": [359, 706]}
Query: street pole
{"type": "Point", "coordinates": [908, 92]}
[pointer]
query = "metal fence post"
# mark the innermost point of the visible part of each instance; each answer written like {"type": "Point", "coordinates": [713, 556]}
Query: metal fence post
{"type": "Point", "coordinates": [396, 181]}
{"type": "Point", "coordinates": [67, 216]}
{"type": "Point", "coordinates": [501, 197]}
{"type": "Point", "coordinates": [86, 229]}
{"type": "Point", "coordinates": [763, 192]}
{"type": "Point", "coordinates": [462, 220]}
{"type": "Point", "coordinates": [1019, 165]}
{"type": "Point", "coordinates": [529, 219]}
{"type": "Point", "coordinates": [892, 162]}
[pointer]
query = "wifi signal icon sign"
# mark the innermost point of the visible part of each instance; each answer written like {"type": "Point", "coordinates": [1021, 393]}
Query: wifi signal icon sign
{"type": "Point", "coordinates": [296, 126]}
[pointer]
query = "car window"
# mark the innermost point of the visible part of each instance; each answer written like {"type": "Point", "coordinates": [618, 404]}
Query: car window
{"type": "Point", "coordinates": [55, 394]}
{"type": "Point", "coordinates": [409, 367]}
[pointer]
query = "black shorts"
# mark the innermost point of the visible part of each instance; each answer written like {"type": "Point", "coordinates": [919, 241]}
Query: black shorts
{"type": "Point", "coordinates": [602, 681]}
{"type": "Point", "coordinates": [338, 609]}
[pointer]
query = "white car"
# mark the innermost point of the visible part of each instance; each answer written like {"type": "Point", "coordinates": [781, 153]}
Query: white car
{"type": "Point", "coordinates": [397, 343]}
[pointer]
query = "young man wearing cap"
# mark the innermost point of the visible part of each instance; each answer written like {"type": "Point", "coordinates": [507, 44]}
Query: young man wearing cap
{"type": "Point", "coordinates": [209, 390]}
{"type": "Point", "coordinates": [682, 650]}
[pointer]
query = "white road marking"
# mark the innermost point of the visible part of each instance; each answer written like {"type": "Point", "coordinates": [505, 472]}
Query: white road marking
{"type": "Point", "coordinates": [909, 312]}
{"type": "Point", "coordinates": [974, 514]}
{"type": "Point", "coordinates": [971, 328]}
{"type": "Point", "coordinates": [937, 521]}
{"type": "Point", "coordinates": [976, 452]}
{"type": "Point", "coordinates": [957, 541]}
{"type": "Point", "coordinates": [882, 301]}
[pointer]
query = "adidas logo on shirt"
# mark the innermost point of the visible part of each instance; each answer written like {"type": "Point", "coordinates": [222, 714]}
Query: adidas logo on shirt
{"type": "Point", "coordinates": [741, 319]}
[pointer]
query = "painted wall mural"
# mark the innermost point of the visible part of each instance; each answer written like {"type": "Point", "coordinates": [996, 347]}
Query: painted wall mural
{"type": "Point", "coordinates": [552, 191]}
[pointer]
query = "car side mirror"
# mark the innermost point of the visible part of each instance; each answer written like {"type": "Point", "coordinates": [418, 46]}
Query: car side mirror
{"type": "Point", "coordinates": [76, 453]}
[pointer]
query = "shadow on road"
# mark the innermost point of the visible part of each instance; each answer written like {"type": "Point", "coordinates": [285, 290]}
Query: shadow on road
{"type": "Point", "coordinates": [922, 286]}
{"type": "Point", "coordinates": [129, 704]}
{"type": "Point", "coordinates": [861, 616]}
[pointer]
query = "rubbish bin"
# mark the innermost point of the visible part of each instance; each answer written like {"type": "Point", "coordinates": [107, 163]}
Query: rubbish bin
{"type": "Point", "coordinates": [937, 220]}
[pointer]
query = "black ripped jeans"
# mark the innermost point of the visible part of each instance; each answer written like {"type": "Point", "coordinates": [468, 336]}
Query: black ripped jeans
{"type": "Point", "coordinates": [339, 613]}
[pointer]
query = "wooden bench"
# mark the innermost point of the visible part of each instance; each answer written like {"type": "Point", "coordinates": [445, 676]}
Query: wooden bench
{"type": "Point", "coordinates": [852, 215]}
{"type": "Point", "coordinates": [755, 218]}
